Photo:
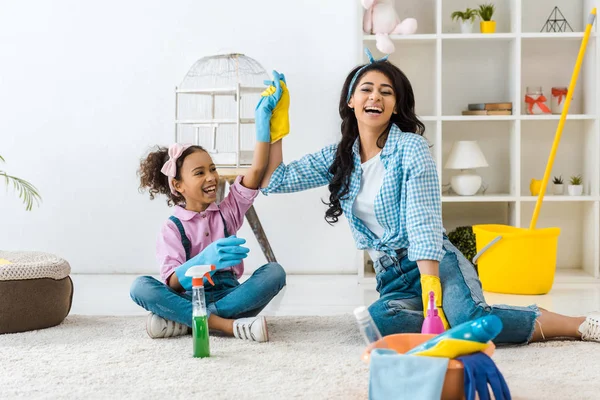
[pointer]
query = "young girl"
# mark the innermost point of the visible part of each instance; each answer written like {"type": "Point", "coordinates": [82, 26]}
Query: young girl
{"type": "Point", "coordinates": [382, 176]}
{"type": "Point", "coordinates": [202, 232]}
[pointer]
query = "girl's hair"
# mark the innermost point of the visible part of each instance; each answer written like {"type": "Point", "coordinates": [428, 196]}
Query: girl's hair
{"type": "Point", "coordinates": [156, 181]}
{"type": "Point", "coordinates": [405, 119]}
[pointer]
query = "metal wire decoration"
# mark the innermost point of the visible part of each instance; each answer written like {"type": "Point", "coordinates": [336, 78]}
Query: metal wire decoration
{"type": "Point", "coordinates": [556, 24]}
{"type": "Point", "coordinates": [214, 107]}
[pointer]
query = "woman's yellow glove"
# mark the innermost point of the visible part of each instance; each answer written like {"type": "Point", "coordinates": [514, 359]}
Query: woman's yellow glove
{"type": "Point", "coordinates": [432, 283]}
{"type": "Point", "coordinates": [280, 120]}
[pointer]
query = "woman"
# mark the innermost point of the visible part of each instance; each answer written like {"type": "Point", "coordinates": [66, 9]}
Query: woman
{"type": "Point", "coordinates": [382, 176]}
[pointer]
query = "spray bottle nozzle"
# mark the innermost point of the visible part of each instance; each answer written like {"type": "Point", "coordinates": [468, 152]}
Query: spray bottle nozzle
{"type": "Point", "coordinates": [198, 272]}
{"type": "Point", "coordinates": [432, 311]}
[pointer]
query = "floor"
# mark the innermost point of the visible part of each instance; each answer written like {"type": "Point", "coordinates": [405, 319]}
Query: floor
{"type": "Point", "coordinates": [325, 295]}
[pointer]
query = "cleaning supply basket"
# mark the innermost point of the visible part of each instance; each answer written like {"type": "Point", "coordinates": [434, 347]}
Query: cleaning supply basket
{"type": "Point", "coordinates": [516, 260]}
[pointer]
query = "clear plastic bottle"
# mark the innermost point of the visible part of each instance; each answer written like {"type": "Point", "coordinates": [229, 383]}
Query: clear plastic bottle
{"type": "Point", "coordinates": [200, 339]}
{"type": "Point", "coordinates": [368, 329]}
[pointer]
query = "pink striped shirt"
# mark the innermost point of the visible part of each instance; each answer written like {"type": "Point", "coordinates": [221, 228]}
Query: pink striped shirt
{"type": "Point", "coordinates": [203, 228]}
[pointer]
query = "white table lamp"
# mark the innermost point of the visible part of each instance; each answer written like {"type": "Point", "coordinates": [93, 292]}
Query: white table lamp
{"type": "Point", "coordinates": [465, 156]}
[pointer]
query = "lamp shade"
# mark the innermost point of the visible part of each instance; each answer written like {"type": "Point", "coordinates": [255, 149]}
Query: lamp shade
{"type": "Point", "coordinates": [465, 154]}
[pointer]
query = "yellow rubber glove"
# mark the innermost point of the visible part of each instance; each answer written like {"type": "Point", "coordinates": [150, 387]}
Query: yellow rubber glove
{"type": "Point", "coordinates": [280, 120]}
{"type": "Point", "coordinates": [429, 283]}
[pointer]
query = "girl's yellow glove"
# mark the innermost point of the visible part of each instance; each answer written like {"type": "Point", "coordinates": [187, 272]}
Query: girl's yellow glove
{"type": "Point", "coordinates": [280, 120]}
{"type": "Point", "coordinates": [429, 283]}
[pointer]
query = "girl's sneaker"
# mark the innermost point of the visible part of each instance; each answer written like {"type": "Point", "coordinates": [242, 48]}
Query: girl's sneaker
{"type": "Point", "coordinates": [158, 327]}
{"type": "Point", "coordinates": [590, 328]}
{"type": "Point", "coordinates": [254, 329]}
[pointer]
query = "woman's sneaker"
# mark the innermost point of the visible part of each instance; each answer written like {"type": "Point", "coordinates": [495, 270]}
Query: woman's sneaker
{"type": "Point", "coordinates": [590, 328]}
{"type": "Point", "coordinates": [158, 327]}
{"type": "Point", "coordinates": [254, 329]}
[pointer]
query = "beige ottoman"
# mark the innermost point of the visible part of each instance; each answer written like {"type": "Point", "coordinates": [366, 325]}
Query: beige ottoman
{"type": "Point", "coordinates": [35, 291]}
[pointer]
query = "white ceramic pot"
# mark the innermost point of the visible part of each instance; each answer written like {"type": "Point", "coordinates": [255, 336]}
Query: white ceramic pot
{"type": "Point", "coordinates": [466, 27]}
{"type": "Point", "coordinates": [558, 189]}
{"type": "Point", "coordinates": [575, 190]}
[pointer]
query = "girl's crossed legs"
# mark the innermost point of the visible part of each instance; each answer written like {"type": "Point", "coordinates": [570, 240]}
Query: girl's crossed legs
{"type": "Point", "coordinates": [229, 303]}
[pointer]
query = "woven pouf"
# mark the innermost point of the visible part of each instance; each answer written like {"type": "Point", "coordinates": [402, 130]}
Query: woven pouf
{"type": "Point", "coordinates": [35, 291]}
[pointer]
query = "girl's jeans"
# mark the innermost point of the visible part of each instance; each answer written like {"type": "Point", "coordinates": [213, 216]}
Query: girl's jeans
{"type": "Point", "coordinates": [227, 299]}
{"type": "Point", "coordinates": [400, 308]}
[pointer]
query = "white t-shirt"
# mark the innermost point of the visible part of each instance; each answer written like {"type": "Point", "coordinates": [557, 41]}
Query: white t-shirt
{"type": "Point", "coordinates": [371, 181]}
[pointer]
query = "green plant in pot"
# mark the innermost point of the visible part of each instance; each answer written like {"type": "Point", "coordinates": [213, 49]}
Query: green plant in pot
{"type": "Point", "coordinates": [27, 192]}
{"type": "Point", "coordinates": [463, 239]}
{"type": "Point", "coordinates": [557, 183]}
{"type": "Point", "coordinates": [466, 18]}
{"type": "Point", "coordinates": [575, 187]}
{"type": "Point", "coordinates": [486, 12]}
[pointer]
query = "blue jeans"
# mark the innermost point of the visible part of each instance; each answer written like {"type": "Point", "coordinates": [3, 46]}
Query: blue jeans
{"type": "Point", "coordinates": [400, 307]}
{"type": "Point", "coordinates": [227, 299]}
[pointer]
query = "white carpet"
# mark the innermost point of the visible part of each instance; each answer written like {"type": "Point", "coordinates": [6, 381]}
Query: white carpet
{"type": "Point", "coordinates": [308, 357]}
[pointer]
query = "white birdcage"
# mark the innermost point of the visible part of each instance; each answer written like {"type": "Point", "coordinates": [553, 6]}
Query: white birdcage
{"type": "Point", "coordinates": [214, 107]}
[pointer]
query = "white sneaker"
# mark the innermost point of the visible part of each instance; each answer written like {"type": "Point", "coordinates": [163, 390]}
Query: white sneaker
{"type": "Point", "coordinates": [158, 327]}
{"type": "Point", "coordinates": [254, 329]}
{"type": "Point", "coordinates": [590, 328]}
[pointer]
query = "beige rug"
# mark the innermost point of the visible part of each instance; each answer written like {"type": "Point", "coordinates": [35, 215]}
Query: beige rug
{"type": "Point", "coordinates": [308, 357]}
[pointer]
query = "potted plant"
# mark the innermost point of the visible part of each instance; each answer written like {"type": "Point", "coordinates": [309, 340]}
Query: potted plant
{"type": "Point", "coordinates": [467, 18]}
{"type": "Point", "coordinates": [27, 192]}
{"type": "Point", "coordinates": [575, 187]}
{"type": "Point", "coordinates": [558, 185]}
{"type": "Point", "coordinates": [463, 239]}
{"type": "Point", "coordinates": [486, 12]}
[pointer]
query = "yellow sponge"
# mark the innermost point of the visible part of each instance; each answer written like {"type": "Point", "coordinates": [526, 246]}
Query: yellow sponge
{"type": "Point", "coordinates": [280, 120]}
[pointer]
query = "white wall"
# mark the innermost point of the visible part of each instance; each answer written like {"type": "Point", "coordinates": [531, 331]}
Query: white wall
{"type": "Point", "coordinates": [86, 87]}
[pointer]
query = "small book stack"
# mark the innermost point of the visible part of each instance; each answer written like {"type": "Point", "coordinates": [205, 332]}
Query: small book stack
{"type": "Point", "coordinates": [489, 109]}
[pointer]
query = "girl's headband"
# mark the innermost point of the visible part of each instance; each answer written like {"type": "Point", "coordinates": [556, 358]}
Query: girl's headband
{"type": "Point", "coordinates": [371, 61]}
{"type": "Point", "coordinates": [170, 167]}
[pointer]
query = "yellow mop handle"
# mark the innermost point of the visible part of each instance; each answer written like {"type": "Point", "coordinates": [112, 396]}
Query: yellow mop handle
{"type": "Point", "coordinates": [563, 117]}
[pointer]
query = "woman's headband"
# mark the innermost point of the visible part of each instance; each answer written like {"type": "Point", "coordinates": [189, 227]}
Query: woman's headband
{"type": "Point", "coordinates": [371, 61]}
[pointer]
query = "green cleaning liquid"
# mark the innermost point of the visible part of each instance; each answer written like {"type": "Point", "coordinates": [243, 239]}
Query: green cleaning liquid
{"type": "Point", "coordinates": [200, 336]}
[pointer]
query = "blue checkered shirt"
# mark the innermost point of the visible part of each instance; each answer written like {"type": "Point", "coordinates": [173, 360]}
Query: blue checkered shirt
{"type": "Point", "coordinates": [408, 205]}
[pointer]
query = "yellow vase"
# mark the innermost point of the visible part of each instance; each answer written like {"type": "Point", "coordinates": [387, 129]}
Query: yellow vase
{"type": "Point", "coordinates": [487, 26]}
{"type": "Point", "coordinates": [535, 186]}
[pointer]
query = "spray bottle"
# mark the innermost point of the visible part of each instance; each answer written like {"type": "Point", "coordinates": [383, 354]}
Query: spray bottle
{"type": "Point", "coordinates": [433, 323]}
{"type": "Point", "coordinates": [199, 314]}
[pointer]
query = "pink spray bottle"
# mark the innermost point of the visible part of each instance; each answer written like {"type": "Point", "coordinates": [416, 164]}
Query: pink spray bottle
{"type": "Point", "coordinates": [433, 323]}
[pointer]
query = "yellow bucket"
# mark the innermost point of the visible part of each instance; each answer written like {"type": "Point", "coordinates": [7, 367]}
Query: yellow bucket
{"type": "Point", "coordinates": [516, 260]}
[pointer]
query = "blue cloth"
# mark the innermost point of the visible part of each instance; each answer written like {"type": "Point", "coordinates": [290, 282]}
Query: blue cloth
{"type": "Point", "coordinates": [398, 376]}
{"type": "Point", "coordinates": [480, 371]}
{"type": "Point", "coordinates": [408, 205]}
{"type": "Point", "coordinates": [228, 298]}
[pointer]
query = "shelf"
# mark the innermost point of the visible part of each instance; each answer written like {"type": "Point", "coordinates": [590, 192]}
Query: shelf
{"type": "Point", "coordinates": [427, 37]}
{"type": "Point", "coordinates": [551, 117]}
{"type": "Point", "coordinates": [478, 117]}
{"type": "Point", "coordinates": [483, 198]}
{"type": "Point", "coordinates": [478, 36]}
{"type": "Point", "coordinates": [449, 70]}
{"type": "Point", "coordinates": [559, 198]}
{"type": "Point", "coordinates": [555, 35]}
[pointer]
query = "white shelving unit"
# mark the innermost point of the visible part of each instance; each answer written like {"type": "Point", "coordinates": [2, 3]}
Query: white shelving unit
{"type": "Point", "coordinates": [448, 70]}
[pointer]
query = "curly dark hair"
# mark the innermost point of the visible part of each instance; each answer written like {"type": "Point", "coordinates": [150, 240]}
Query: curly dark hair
{"type": "Point", "coordinates": [405, 119]}
{"type": "Point", "coordinates": [156, 181]}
